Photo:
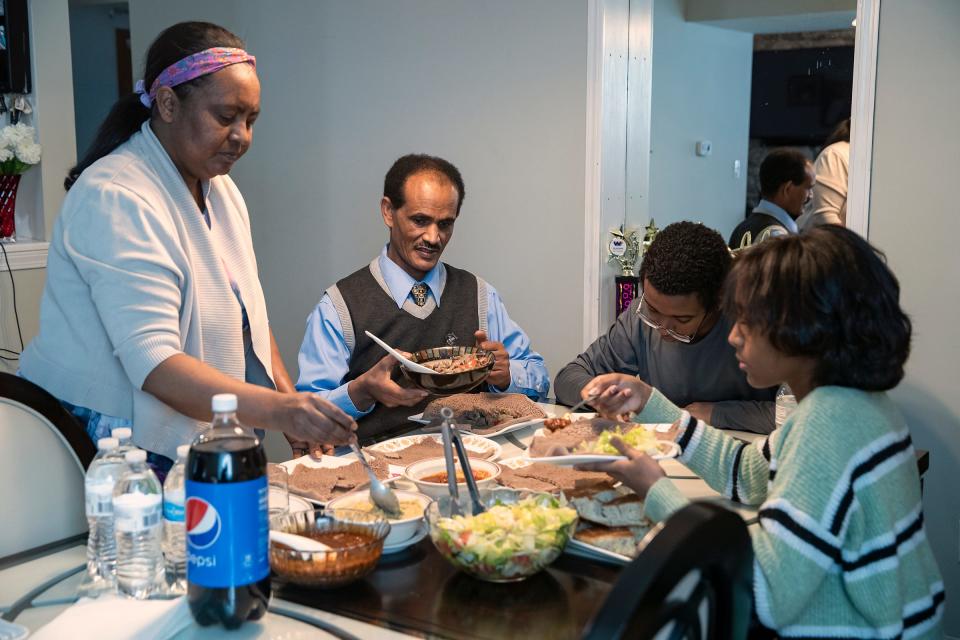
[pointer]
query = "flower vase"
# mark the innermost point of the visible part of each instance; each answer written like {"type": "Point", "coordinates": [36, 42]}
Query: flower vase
{"type": "Point", "coordinates": [8, 207]}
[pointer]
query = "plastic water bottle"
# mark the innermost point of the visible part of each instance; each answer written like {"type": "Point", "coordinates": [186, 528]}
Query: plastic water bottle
{"type": "Point", "coordinates": [124, 436]}
{"type": "Point", "coordinates": [138, 523]}
{"type": "Point", "coordinates": [786, 403]}
{"type": "Point", "coordinates": [174, 542]}
{"type": "Point", "coordinates": [102, 475]}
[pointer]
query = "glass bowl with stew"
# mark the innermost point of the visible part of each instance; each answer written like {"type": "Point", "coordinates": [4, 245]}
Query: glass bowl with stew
{"type": "Point", "coordinates": [520, 533]}
{"type": "Point", "coordinates": [356, 539]}
{"type": "Point", "coordinates": [458, 369]}
{"type": "Point", "coordinates": [430, 476]}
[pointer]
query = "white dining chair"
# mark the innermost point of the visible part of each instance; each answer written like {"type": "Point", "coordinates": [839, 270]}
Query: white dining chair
{"type": "Point", "coordinates": [43, 455]}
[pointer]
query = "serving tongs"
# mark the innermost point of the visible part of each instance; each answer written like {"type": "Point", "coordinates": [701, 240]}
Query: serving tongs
{"type": "Point", "coordinates": [451, 440]}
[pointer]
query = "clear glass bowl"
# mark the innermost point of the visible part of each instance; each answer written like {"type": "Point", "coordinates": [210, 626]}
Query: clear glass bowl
{"type": "Point", "coordinates": [484, 560]}
{"type": "Point", "coordinates": [328, 568]}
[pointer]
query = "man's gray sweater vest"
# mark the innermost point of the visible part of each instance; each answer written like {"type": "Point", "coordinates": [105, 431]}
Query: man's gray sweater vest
{"type": "Point", "coordinates": [363, 300]}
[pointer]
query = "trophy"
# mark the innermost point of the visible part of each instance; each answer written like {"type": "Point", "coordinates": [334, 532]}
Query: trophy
{"type": "Point", "coordinates": [625, 249]}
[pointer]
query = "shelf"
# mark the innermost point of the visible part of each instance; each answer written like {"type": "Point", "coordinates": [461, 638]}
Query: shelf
{"type": "Point", "coordinates": [25, 254]}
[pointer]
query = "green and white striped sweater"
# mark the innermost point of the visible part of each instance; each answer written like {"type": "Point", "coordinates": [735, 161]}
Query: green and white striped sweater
{"type": "Point", "coordinates": [840, 551]}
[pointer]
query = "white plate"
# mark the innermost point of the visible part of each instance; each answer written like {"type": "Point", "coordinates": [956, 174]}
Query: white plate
{"type": "Point", "coordinates": [508, 429]}
{"type": "Point", "coordinates": [483, 445]}
{"type": "Point", "coordinates": [298, 504]}
{"type": "Point", "coordinates": [668, 450]}
{"type": "Point", "coordinates": [579, 548]}
{"type": "Point", "coordinates": [516, 462]}
{"type": "Point", "coordinates": [421, 533]}
{"type": "Point", "coordinates": [330, 462]}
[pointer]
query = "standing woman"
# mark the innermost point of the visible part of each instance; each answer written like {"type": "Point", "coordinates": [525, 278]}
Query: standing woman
{"type": "Point", "coordinates": [152, 302]}
{"type": "Point", "coordinates": [828, 205]}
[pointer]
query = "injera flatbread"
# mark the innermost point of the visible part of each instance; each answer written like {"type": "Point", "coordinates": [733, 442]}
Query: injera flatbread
{"type": "Point", "coordinates": [425, 448]}
{"type": "Point", "coordinates": [486, 412]}
{"type": "Point", "coordinates": [540, 476]}
{"type": "Point", "coordinates": [325, 484]}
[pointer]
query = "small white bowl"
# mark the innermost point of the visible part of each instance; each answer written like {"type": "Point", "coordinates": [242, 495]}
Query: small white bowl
{"type": "Point", "coordinates": [400, 530]}
{"type": "Point", "coordinates": [429, 466]}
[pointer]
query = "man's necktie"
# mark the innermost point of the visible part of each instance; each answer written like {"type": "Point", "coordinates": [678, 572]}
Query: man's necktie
{"type": "Point", "coordinates": [419, 293]}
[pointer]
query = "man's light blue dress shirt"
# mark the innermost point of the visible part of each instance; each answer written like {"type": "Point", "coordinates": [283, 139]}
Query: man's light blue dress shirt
{"type": "Point", "coordinates": [778, 212]}
{"type": "Point", "coordinates": [325, 357]}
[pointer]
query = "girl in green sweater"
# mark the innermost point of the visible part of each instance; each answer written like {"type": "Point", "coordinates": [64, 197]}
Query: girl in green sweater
{"type": "Point", "coordinates": [840, 550]}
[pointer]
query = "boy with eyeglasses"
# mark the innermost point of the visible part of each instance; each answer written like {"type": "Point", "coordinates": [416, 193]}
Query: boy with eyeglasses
{"type": "Point", "coordinates": [674, 336]}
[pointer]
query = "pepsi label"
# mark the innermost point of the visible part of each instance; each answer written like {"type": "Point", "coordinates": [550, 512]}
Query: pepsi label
{"type": "Point", "coordinates": [227, 533]}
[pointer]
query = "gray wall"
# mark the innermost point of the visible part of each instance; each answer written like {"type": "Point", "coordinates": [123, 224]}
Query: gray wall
{"type": "Point", "coordinates": [915, 218]}
{"type": "Point", "coordinates": [701, 90]}
{"type": "Point", "coordinates": [496, 87]}
{"type": "Point", "coordinates": [94, 52]}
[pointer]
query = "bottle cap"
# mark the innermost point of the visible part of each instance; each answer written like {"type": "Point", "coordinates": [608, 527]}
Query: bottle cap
{"type": "Point", "coordinates": [135, 455]}
{"type": "Point", "coordinates": [224, 403]}
{"type": "Point", "coordinates": [122, 433]}
{"type": "Point", "coordinates": [182, 451]}
{"type": "Point", "coordinates": [106, 444]}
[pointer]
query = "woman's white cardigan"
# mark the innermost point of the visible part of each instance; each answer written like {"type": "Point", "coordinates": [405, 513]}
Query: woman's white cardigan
{"type": "Point", "coordinates": [134, 276]}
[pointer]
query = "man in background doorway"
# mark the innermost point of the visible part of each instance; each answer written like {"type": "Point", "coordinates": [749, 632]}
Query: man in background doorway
{"type": "Point", "coordinates": [786, 185]}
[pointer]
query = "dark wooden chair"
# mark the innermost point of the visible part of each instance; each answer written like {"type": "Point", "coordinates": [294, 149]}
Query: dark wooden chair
{"type": "Point", "coordinates": [692, 580]}
{"type": "Point", "coordinates": [44, 456]}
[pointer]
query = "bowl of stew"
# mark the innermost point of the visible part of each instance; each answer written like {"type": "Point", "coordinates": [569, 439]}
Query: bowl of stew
{"type": "Point", "coordinates": [457, 369]}
{"type": "Point", "coordinates": [356, 538]}
{"type": "Point", "coordinates": [430, 476]}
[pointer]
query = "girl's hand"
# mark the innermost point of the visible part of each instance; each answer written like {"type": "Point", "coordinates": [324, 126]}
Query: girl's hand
{"type": "Point", "coordinates": [639, 471]}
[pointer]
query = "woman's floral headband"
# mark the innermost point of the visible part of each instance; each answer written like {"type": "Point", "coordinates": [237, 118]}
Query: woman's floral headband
{"type": "Point", "coordinates": [193, 66]}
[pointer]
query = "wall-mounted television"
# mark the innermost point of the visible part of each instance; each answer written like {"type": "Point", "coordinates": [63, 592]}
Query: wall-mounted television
{"type": "Point", "coordinates": [14, 47]}
{"type": "Point", "coordinates": [799, 95]}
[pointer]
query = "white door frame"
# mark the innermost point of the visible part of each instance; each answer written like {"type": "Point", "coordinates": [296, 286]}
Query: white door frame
{"type": "Point", "coordinates": [861, 115]}
{"type": "Point", "coordinates": [619, 90]}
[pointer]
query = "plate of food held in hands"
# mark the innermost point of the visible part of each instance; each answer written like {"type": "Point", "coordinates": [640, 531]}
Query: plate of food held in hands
{"type": "Point", "coordinates": [563, 441]}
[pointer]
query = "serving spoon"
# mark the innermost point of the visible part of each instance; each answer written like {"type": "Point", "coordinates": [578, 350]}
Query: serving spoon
{"type": "Point", "coordinates": [298, 542]}
{"type": "Point", "coordinates": [405, 361]}
{"type": "Point", "coordinates": [382, 495]}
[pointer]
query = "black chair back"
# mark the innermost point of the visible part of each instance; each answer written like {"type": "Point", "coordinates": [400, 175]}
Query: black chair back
{"type": "Point", "coordinates": [692, 580]}
{"type": "Point", "coordinates": [36, 398]}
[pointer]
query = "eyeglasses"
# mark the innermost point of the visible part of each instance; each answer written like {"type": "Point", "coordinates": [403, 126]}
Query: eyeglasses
{"type": "Point", "coordinates": [653, 324]}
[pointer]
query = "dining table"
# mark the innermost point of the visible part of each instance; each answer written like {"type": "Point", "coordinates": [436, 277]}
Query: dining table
{"type": "Point", "coordinates": [414, 593]}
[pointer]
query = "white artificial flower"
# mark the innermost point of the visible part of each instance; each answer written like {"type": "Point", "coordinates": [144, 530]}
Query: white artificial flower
{"type": "Point", "coordinates": [5, 154]}
{"type": "Point", "coordinates": [28, 152]}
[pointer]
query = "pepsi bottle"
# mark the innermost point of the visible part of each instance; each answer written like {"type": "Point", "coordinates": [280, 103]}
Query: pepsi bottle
{"type": "Point", "coordinates": [228, 567]}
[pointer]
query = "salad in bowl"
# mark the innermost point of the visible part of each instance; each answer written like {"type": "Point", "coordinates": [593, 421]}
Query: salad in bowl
{"type": "Point", "coordinates": [520, 533]}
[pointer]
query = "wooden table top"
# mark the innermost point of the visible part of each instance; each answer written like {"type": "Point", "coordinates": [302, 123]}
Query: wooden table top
{"type": "Point", "coordinates": [418, 592]}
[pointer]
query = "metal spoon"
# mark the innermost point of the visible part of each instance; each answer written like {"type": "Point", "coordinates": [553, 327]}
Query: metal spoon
{"type": "Point", "coordinates": [382, 495]}
{"type": "Point", "coordinates": [405, 361]}
{"type": "Point", "coordinates": [583, 403]}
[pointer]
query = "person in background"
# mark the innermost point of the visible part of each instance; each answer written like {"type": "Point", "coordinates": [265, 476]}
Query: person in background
{"type": "Point", "coordinates": [412, 301]}
{"type": "Point", "coordinates": [674, 336]}
{"type": "Point", "coordinates": [829, 202]}
{"type": "Point", "coordinates": [841, 549]}
{"type": "Point", "coordinates": [152, 302]}
{"type": "Point", "coordinates": [786, 185]}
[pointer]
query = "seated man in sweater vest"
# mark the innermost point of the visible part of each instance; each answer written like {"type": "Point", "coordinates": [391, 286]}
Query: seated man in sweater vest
{"type": "Point", "coordinates": [411, 300]}
{"type": "Point", "coordinates": [674, 336]}
{"type": "Point", "coordinates": [786, 185]}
